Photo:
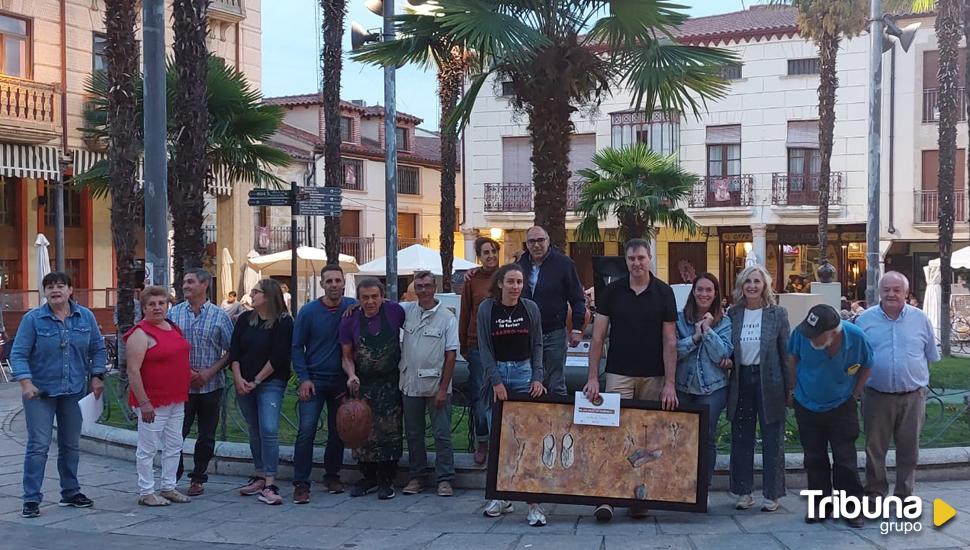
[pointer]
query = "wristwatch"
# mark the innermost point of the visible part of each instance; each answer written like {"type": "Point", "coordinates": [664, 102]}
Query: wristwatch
{"type": "Point", "coordinates": [257, 381]}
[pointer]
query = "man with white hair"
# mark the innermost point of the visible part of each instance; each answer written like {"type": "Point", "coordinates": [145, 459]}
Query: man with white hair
{"type": "Point", "coordinates": [894, 402]}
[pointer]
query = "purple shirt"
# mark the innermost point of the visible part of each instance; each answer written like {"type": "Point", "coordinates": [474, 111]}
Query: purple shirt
{"type": "Point", "coordinates": [350, 327]}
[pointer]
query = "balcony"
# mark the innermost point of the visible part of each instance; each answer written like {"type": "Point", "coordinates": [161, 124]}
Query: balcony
{"type": "Point", "coordinates": [927, 207]}
{"type": "Point", "coordinates": [361, 248]}
{"type": "Point", "coordinates": [229, 11]}
{"type": "Point", "coordinates": [931, 112]}
{"type": "Point", "coordinates": [722, 192]}
{"type": "Point", "coordinates": [268, 240]}
{"type": "Point", "coordinates": [518, 197]}
{"type": "Point", "coordinates": [28, 110]}
{"type": "Point", "coordinates": [802, 190]}
{"type": "Point", "coordinates": [404, 242]}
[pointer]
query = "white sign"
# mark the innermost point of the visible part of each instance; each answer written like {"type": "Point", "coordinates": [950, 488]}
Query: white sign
{"type": "Point", "coordinates": [149, 274]}
{"type": "Point", "coordinates": [605, 413]}
{"type": "Point", "coordinates": [91, 409]}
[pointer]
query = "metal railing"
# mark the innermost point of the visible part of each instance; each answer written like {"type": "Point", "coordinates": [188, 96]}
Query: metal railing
{"type": "Point", "coordinates": [802, 190]}
{"type": "Point", "coordinates": [519, 197]}
{"type": "Point", "coordinates": [361, 248]}
{"type": "Point", "coordinates": [408, 181]}
{"type": "Point", "coordinates": [404, 242]}
{"type": "Point", "coordinates": [720, 191]}
{"type": "Point", "coordinates": [28, 109]}
{"type": "Point", "coordinates": [926, 206]}
{"type": "Point", "coordinates": [931, 111]}
{"type": "Point", "coordinates": [273, 239]}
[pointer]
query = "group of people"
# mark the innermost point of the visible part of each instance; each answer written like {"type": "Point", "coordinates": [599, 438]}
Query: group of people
{"type": "Point", "coordinates": [516, 323]}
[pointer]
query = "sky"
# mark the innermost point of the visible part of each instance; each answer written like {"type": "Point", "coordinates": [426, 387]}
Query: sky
{"type": "Point", "coordinates": [289, 48]}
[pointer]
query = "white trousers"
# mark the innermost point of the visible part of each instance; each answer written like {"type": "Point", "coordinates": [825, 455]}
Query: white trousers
{"type": "Point", "coordinates": [165, 435]}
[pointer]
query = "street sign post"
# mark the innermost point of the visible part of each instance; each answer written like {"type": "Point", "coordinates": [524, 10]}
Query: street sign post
{"type": "Point", "coordinates": [318, 201]}
{"type": "Point", "coordinates": [270, 197]}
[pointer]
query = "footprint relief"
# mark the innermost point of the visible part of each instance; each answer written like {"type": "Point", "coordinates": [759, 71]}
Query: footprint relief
{"type": "Point", "coordinates": [567, 451]}
{"type": "Point", "coordinates": [642, 456]}
{"type": "Point", "coordinates": [549, 451]}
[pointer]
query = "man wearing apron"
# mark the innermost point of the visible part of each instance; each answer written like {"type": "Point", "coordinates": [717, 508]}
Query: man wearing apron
{"type": "Point", "coordinates": [370, 340]}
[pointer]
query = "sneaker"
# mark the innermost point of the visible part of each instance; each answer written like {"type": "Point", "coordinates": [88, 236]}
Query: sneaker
{"type": "Point", "coordinates": [363, 487]}
{"type": "Point", "coordinates": [811, 520]}
{"type": "Point", "coordinates": [31, 510]}
{"type": "Point", "coordinates": [413, 487]}
{"type": "Point", "coordinates": [770, 505]}
{"type": "Point", "coordinates": [334, 487]}
{"type": "Point", "coordinates": [537, 518]}
{"type": "Point", "coordinates": [445, 490]}
{"type": "Point", "coordinates": [603, 513]}
{"type": "Point", "coordinates": [77, 501]}
{"type": "Point", "coordinates": [301, 492]}
{"type": "Point", "coordinates": [175, 496]}
{"type": "Point", "coordinates": [153, 500]}
{"type": "Point", "coordinates": [481, 453]}
{"type": "Point", "coordinates": [271, 495]}
{"type": "Point", "coordinates": [385, 491]}
{"type": "Point", "coordinates": [254, 487]}
{"type": "Point", "coordinates": [196, 489]}
{"type": "Point", "coordinates": [496, 508]}
{"type": "Point", "coordinates": [744, 502]}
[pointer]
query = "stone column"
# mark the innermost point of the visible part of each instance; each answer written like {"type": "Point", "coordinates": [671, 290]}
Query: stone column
{"type": "Point", "coordinates": [234, 229]}
{"type": "Point", "coordinates": [759, 234]}
{"type": "Point", "coordinates": [469, 236]}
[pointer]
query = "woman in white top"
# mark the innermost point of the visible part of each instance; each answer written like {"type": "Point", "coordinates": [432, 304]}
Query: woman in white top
{"type": "Point", "coordinates": [759, 387]}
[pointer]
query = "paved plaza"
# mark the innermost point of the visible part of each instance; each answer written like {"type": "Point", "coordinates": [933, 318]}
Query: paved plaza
{"type": "Point", "coordinates": [221, 519]}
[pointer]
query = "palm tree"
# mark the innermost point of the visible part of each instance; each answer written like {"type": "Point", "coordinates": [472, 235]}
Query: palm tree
{"type": "Point", "coordinates": [826, 22]}
{"type": "Point", "coordinates": [948, 17]}
{"type": "Point", "coordinates": [558, 57]}
{"type": "Point", "coordinates": [637, 186]}
{"type": "Point", "coordinates": [332, 61]}
{"type": "Point", "coordinates": [120, 106]}
{"type": "Point", "coordinates": [185, 190]}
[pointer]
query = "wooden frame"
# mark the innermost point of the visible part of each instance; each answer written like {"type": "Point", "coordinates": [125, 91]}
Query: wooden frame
{"type": "Point", "coordinates": [679, 485]}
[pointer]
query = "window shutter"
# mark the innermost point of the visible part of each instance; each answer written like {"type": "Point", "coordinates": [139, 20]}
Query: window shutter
{"type": "Point", "coordinates": [803, 134]}
{"type": "Point", "coordinates": [581, 151]}
{"type": "Point", "coordinates": [724, 135]}
{"type": "Point", "coordinates": [516, 166]}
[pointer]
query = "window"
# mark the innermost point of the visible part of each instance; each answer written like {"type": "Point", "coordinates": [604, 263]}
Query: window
{"type": "Point", "coordinates": [346, 128]}
{"type": "Point", "coordinates": [731, 71]}
{"type": "Point", "coordinates": [723, 151]}
{"type": "Point", "coordinates": [353, 174]}
{"type": "Point", "coordinates": [100, 59]}
{"type": "Point", "coordinates": [660, 132]}
{"type": "Point", "coordinates": [7, 201]}
{"type": "Point", "coordinates": [14, 42]}
{"type": "Point", "coordinates": [408, 181]}
{"type": "Point", "coordinates": [803, 66]}
{"type": "Point", "coordinates": [803, 166]}
{"type": "Point", "coordinates": [507, 89]}
{"type": "Point", "coordinates": [72, 206]}
{"type": "Point", "coordinates": [403, 143]}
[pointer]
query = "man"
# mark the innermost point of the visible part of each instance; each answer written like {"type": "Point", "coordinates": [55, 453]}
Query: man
{"type": "Point", "coordinates": [371, 356]}
{"type": "Point", "coordinates": [830, 361]}
{"type": "Point", "coordinates": [894, 401]}
{"type": "Point", "coordinates": [551, 282]}
{"type": "Point", "coordinates": [639, 313]}
{"type": "Point", "coordinates": [316, 361]}
{"type": "Point", "coordinates": [427, 364]}
{"type": "Point", "coordinates": [232, 306]}
{"type": "Point", "coordinates": [209, 331]}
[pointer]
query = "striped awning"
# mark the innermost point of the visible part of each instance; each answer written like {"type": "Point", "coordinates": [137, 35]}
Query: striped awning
{"type": "Point", "coordinates": [29, 161]}
{"type": "Point", "coordinates": [84, 160]}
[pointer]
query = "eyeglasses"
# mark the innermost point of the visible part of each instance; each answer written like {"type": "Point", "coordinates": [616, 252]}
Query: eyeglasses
{"type": "Point", "coordinates": [424, 286]}
{"type": "Point", "coordinates": [532, 242]}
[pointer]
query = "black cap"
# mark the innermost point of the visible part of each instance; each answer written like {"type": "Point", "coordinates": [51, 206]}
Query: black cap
{"type": "Point", "coordinates": [820, 318]}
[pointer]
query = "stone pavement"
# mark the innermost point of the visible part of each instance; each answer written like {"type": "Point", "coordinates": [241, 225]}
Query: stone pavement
{"type": "Point", "coordinates": [221, 519]}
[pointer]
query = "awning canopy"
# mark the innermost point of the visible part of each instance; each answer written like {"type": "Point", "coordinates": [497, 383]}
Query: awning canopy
{"type": "Point", "coordinates": [29, 161]}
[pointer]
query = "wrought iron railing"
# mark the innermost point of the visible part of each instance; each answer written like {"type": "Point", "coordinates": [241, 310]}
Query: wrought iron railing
{"type": "Point", "coordinates": [519, 197]}
{"type": "Point", "coordinates": [274, 239]}
{"type": "Point", "coordinates": [720, 191]}
{"type": "Point", "coordinates": [361, 248]}
{"type": "Point", "coordinates": [931, 110]}
{"type": "Point", "coordinates": [926, 206]}
{"type": "Point", "coordinates": [802, 189]}
{"type": "Point", "coordinates": [404, 242]}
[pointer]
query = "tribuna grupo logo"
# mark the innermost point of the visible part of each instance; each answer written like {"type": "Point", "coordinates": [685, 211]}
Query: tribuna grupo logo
{"type": "Point", "coordinates": [895, 514]}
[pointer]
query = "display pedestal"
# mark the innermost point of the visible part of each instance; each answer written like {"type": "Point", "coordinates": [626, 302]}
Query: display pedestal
{"type": "Point", "coordinates": [831, 294]}
{"type": "Point", "coordinates": [798, 304]}
{"type": "Point", "coordinates": [681, 292]}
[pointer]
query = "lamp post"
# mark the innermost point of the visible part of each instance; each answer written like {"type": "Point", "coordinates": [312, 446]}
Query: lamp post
{"type": "Point", "coordinates": [156, 134]}
{"type": "Point", "coordinates": [63, 166]}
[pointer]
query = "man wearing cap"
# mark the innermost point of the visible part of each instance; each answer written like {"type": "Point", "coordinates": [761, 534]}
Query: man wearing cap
{"type": "Point", "coordinates": [831, 360]}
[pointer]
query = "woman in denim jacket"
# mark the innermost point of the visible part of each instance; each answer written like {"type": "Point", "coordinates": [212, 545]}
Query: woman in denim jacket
{"type": "Point", "coordinates": [57, 355]}
{"type": "Point", "coordinates": [703, 345]}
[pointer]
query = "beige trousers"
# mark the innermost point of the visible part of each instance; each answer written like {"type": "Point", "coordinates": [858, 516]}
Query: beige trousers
{"type": "Point", "coordinates": [635, 387]}
{"type": "Point", "coordinates": [896, 417]}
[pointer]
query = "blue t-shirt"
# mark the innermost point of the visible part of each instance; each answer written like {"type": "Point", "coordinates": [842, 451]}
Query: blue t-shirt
{"type": "Point", "coordinates": [823, 383]}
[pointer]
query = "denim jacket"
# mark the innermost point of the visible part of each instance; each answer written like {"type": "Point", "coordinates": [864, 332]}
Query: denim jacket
{"type": "Point", "coordinates": [58, 355]}
{"type": "Point", "coordinates": [697, 364]}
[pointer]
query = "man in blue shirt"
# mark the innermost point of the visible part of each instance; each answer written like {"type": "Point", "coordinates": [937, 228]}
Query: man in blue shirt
{"type": "Point", "coordinates": [894, 401]}
{"type": "Point", "coordinates": [317, 363]}
{"type": "Point", "coordinates": [831, 359]}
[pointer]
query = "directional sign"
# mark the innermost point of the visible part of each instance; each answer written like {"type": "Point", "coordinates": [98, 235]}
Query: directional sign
{"type": "Point", "coordinates": [318, 210]}
{"type": "Point", "coordinates": [269, 197]}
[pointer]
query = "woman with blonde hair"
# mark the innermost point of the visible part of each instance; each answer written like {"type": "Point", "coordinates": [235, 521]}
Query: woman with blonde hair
{"type": "Point", "coordinates": [759, 387]}
{"type": "Point", "coordinates": [260, 358]}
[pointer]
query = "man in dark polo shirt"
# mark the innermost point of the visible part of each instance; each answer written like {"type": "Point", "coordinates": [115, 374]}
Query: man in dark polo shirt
{"type": "Point", "coordinates": [639, 312]}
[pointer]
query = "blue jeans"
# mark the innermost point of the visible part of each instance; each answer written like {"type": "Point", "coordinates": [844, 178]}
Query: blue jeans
{"type": "Point", "coordinates": [517, 378]}
{"type": "Point", "coordinates": [309, 418]}
{"type": "Point", "coordinates": [478, 394]}
{"type": "Point", "coordinates": [39, 414]}
{"type": "Point", "coordinates": [554, 361]}
{"type": "Point", "coordinates": [715, 402]}
{"type": "Point", "coordinates": [261, 409]}
{"type": "Point", "coordinates": [750, 411]}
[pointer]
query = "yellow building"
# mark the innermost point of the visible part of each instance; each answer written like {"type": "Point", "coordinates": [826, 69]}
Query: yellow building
{"type": "Point", "coordinates": [51, 47]}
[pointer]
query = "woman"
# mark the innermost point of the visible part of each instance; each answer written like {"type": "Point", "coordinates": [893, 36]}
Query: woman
{"type": "Point", "coordinates": [510, 343]}
{"type": "Point", "coordinates": [703, 356]}
{"type": "Point", "coordinates": [260, 357]}
{"type": "Point", "coordinates": [478, 286]}
{"type": "Point", "coordinates": [158, 385]}
{"type": "Point", "coordinates": [759, 387]}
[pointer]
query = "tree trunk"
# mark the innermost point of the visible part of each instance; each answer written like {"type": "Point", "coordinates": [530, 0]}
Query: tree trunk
{"type": "Point", "coordinates": [122, 54]}
{"type": "Point", "coordinates": [450, 76]}
{"type": "Point", "coordinates": [948, 37]}
{"type": "Point", "coordinates": [550, 128]}
{"type": "Point", "coordinates": [632, 227]}
{"type": "Point", "coordinates": [828, 49]}
{"type": "Point", "coordinates": [190, 166]}
{"type": "Point", "coordinates": [334, 12]}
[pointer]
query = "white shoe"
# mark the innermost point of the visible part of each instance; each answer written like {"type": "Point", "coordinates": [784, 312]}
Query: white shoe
{"type": "Point", "coordinates": [496, 508]}
{"type": "Point", "coordinates": [537, 518]}
{"type": "Point", "coordinates": [769, 505]}
{"type": "Point", "coordinates": [744, 502]}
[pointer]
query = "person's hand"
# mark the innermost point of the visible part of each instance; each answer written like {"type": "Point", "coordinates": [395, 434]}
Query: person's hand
{"type": "Point", "coordinates": [306, 390]}
{"type": "Point", "coordinates": [97, 387]}
{"type": "Point", "coordinates": [592, 389]}
{"type": "Point", "coordinates": [472, 272]}
{"type": "Point", "coordinates": [243, 387]}
{"type": "Point", "coordinates": [857, 393]}
{"type": "Point", "coordinates": [197, 380]}
{"type": "Point", "coordinates": [790, 400]}
{"type": "Point", "coordinates": [147, 413]}
{"type": "Point", "coordinates": [28, 390]}
{"type": "Point", "coordinates": [537, 389]}
{"type": "Point", "coordinates": [575, 337]}
{"type": "Point", "coordinates": [668, 397]}
{"type": "Point", "coordinates": [441, 398]}
{"type": "Point", "coordinates": [350, 310]}
{"type": "Point", "coordinates": [353, 385]}
{"type": "Point", "coordinates": [498, 390]}
{"type": "Point", "coordinates": [706, 322]}
{"type": "Point", "coordinates": [726, 363]}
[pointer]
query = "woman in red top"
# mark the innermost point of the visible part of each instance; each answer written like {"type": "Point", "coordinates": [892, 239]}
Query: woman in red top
{"type": "Point", "coordinates": [158, 380]}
